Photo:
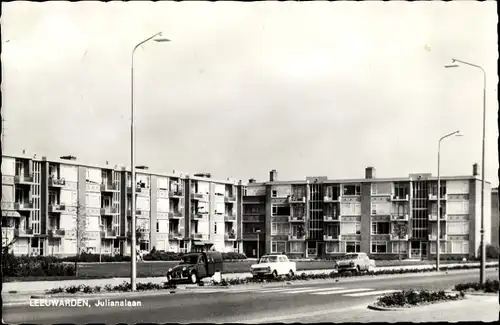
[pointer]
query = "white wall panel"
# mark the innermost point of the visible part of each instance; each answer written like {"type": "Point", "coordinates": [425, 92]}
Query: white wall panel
{"type": "Point", "coordinates": [162, 183]}
{"type": "Point", "coordinates": [93, 223]}
{"type": "Point", "coordinates": [163, 225]}
{"type": "Point", "coordinates": [94, 175]}
{"type": "Point", "coordinates": [66, 197]}
{"type": "Point", "coordinates": [162, 205]}
{"type": "Point", "coordinates": [203, 187]}
{"type": "Point", "coordinates": [219, 189]}
{"type": "Point", "coordinates": [69, 173]}
{"type": "Point", "coordinates": [8, 166]}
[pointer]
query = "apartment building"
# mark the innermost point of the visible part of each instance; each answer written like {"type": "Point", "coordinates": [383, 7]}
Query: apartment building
{"type": "Point", "coordinates": [49, 205]}
{"type": "Point", "coordinates": [395, 216]}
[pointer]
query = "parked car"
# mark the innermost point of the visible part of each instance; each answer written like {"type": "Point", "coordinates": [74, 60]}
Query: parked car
{"type": "Point", "coordinates": [355, 262]}
{"type": "Point", "coordinates": [195, 266]}
{"type": "Point", "coordinates": [273, 265]}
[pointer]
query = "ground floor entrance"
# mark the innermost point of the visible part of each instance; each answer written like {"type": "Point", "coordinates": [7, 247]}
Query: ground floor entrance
{"type": "Point", "coordinates": [419, 249]}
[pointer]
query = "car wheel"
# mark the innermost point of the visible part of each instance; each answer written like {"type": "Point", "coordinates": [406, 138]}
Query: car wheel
{"type": "Point", "coordinates": [275, 274]}
{"type": "Point", "coordinates": [358, 269]}
{"type": "Point", "coordinates": [194, 278]}
{"type": "Point", "coordinates": [290, 273]}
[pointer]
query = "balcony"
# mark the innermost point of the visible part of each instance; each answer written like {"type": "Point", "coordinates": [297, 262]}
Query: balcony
{"type": "Point", "coordinates": [199, 236]}
{"type": "Point", "coordinates": [396, 237]}
{"type": "Point", "coordinates": [57, 233]}
{"type": "Point", "coordinates": [23, 206]}
{"type": "Point", "coordinates": [198, 196]}
{"type": "Point", "coordinates": [175, 235]}
{"type": "Point", "coordinates": [176, 193]}
{"type": "Point", "coordinates": [295, 199]}
{"type": "Point", "coordinates": [24, 180]}
{"type": "Point", "coordinates": [332, 237]}
{"type": "Point", "coordinates": [57, 182]}
{"type": "Point", "coordinates": [433, 237]}
{"type": "Point", "coordinates": [110, 187]}
{"type": "Point", "coordinates": [138, 189]}
{"type": "Point", "coordinates": [137, 212]}
{"type": "Point", "coordinates": [296, 238]}
{"type": "Point", "coordinates": [230, 217]}
{"type": "Point", "coordinates": [108, 234]}
{"type": "Point", "coordinates": [230, 237]}
{"type": "Point", "coordinates": [198, 215]}
{"type": "Point", "coordinates": [230, 198]}
{"type": "Point", "coordinates": [56, 208]}
{"type": "Point", "coordinates": [296, 219]}
{"type": "Point", "coordinates": [330, 218]}
{"type": "Point", "coordinates": [25, 232]}
{"type": "Point", "coordinates": [109, 211]}
{"type": "Point", "coordinates": [140, 234]}
{"type": "Point", "coordinates": [396, 198]}
{"type": "Point", "coordinates": [399, 217]}
{"type": "Point", "coordinates": [176, 215]}
{"type": "Point", "coordinates": [433, 197]}
{"type": "Point", "coordinates": [331, 199]}
{"type": "Point", "coordinates": [433, 217]}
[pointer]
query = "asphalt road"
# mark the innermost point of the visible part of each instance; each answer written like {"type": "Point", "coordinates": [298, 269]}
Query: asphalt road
{"type": "Point", "coordinates": [249, 304]}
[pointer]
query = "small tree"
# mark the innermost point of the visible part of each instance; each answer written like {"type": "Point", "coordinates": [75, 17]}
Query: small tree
{"type": "Point", "coordinates": [399, 230]}
{"type": "Point", "coordinates": [81, 233]}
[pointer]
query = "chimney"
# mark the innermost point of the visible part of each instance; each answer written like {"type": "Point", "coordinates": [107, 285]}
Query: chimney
{"type": "Point", "coordinates": [142, 167]}
{"type": "Point", "coordinates": [251, 181]}
{"type": "Point", "coordinates": [370, 172]}
{"type": "Point", "coordinates": [273, 176]}
{"type": "Point", "coordinates": [69, 157]}
{"type": "Point", "coordinates": [475, 170]}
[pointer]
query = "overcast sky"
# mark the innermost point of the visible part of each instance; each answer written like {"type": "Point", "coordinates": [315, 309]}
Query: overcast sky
{"type": "Point", "coordinates": [308, 89]}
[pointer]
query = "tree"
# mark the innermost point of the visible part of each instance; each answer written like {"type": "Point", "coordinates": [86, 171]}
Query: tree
{"type": "Point", "coordinates": [399, 230]}
{"type": "Point", "coordinates": [81, 233]}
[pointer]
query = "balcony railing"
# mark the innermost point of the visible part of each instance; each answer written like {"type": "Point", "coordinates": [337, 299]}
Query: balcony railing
{"type": "Point", "coordinates": [175, 193]}
{"type": "Point", "coordinates": [175, 235]}
{"type": "Point", "coordinates": [433, 237]}
{"type": "Point", "coordinates": [108, 234]}
{"type": "Point", "coordinates": [198, 196]}
{"type": "Point", "coordinates": [399, 217]}
{"type": "Point", "coordinates": [56, 208]}
{"type": "Point", "coordinates": [23, 206]}
{"type": "Point", "coordinates": [398, 198]}
{"type": "Point", "coordinates": [137, 212]}
{"type": "Point", "coordinates": [297, 199]}
{"type": "Point", "coordinates": [23, 232]}
{"type": "Point", "coordinates": [110, 187]}
{"type": "Point", "coordinates": [399, 237]}
{"type": "Point", "coordinates": [176, 215]}
{"type": "Point", "coordinates": [330, 218]}
{"type": "Point", "coordinates": [296, 219]}
{"type": "Point", "coordinates": [442, 217]}
{"type": "Point", "coordinates": [229, 217]}
{"type": "Point", "coordinates": [332, 237]}
{"type": "Point", "coordinates": [57, 233]}
{"type": "Point", "coordinates": [433, 197]}
{"type": "Point", "coordinates": [229, 236]}
{"type": "Point", "coordinates": [199, 236]}
{"type": "Point", "coordinates": [107, 211]}
{"type": "Point", "coordinates": [230, 198]}
{"type": "Point", "coordinates": [198, 215]}
{"type": "Point", "coordinates": [24, 179]}
{"type": "Point", "coordinates": [57, 182]}
{"type": "Point", "coordinates": [330, 198]}
{"type": "Point", "coordinates": [296, 237]}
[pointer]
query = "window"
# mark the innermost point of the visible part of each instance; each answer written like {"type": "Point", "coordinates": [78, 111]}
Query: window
{"type": "Point", "coordinates": [332, 248]}
{"type": "Point", "coordinates": [458, 228]}
{"type": "Point", "coordinates": [280, 210]}
{"type": "Point", "coordinates": [460, 247]}
{"type": "Point", "coordinates": [352, 247]}
{"type": "Point", "coordinates": [380, 228]}
{"type": "Point", "coordinates": [296, 247]}
{"type": "Point", "coordinates": [280, 228]}
{"type": "Point", "coordinates": [400, 190]}
{"type": "Point", "coordinates": [274, 193]}
{"type": "Point", "coordinates": [379, 247]}
{"type": "Point", "coordinates": [441, 244]}
{"type": "Point", "coordinates": [352, 189]}
{"type": "Point", "coordinates": [374, 208]}
{"type": "Point", "coordinates": [144, 246]}
{"type": "Point", "coordinates": [400, 247]}
{"type": "Point", "coordinates": [278, 246]}
{"type": "Point", "coordinates": [350, 228]}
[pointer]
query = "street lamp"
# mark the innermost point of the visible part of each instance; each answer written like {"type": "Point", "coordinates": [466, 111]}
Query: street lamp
{"type": "Point", "coordinates": [258, 244]}
{"type": "Point", "coordinates": [438, 246]}
{"type": "Point", "coordinates": [132, 163]}
{"type": "Point", "coordinates": [483, 249]}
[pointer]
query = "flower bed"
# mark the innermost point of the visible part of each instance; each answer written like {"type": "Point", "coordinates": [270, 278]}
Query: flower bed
{"type": "Point", "coordinates": [489, 286]}
{"type": "Point", "coordinates": [412, 298]}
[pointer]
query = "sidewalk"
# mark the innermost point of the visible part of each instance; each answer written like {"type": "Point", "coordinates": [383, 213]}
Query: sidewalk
{"type": "Point", "coordinates": [41, 286]}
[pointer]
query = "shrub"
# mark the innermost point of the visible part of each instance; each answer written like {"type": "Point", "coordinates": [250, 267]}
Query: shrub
{"type": "Point", "coordinates": [411, 297]}
{"type": "Point", "coordinates": [488, 286]}
{"type": "Point", "coordinates": [492, 251]}
{"type": "Point", "coordinates": [23, 266]}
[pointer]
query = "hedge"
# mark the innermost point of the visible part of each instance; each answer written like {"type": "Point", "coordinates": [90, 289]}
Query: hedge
{"type": "Point", "coordinates": [22, 266]}
{"type": "Point", "coordinates": [488, 286]}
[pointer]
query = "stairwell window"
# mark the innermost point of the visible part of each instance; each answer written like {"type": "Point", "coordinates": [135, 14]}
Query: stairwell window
{"type": "Point", "coordinates": [274, 193]}
{"type": "Point", "coordinates": [352, 189]}
{"type": "Point", "coordinates": [380, 228]}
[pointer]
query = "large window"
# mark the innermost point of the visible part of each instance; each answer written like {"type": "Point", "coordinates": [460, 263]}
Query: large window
{"type": "Point", "coordinates": [332, 248]}
{"type": "Point", "coordinates": [400, 190]}
{"type": "Point", "coordinates": [274, 193]}
{"type": "Point", "coordinates": [350, 228]}
{"type": "Point", "coordinates": [460, 247]}
{"type": "Point", "coordinates": [280, 210]}
{"type": "Point", "coordinates": [280, 228]}
{"type": "Point", "coordinates": [441, 244]}
{"type": "Point", "coordinates": [379, 247]}
{"type": "Point", "coordinates": [399, 247]}
{"type": "Point", "coordinates": [458, 228]}
{"type": "Point", "coordinates": [352, 247]}
{"type": "Point", "coordinates": [297, 247]}
{"type": "Point", "coordinates": [380, 228]}
{"type": "Point", "coordinates": [352, 189]}
{"type": "Point", "coordinates": [278, 246]}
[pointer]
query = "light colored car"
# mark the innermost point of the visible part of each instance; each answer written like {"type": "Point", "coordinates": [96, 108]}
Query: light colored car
{"type": "Point", "coordinates": [355, 262]}
{"type": "Point", "coordinates": [273, 265]}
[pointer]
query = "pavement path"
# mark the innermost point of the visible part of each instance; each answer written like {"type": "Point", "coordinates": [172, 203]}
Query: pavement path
{"type": "Point", "coordinates": [267, 303]}
{"type": "Point", "coordinates": [41, 286]}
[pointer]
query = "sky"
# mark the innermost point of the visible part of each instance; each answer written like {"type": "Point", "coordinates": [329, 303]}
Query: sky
{"type": "Point", "coordinates": [308, 89]}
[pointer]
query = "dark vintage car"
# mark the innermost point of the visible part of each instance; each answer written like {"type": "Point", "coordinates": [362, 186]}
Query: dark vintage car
{"type": "Point", "coordinates": [195, 266]}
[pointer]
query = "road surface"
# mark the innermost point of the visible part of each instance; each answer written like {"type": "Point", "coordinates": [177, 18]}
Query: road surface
{"type": "Point", "coordinates": [267, 303]}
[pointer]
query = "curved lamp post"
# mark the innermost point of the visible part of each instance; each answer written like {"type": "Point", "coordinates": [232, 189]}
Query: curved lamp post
{"type": "Point", "coordinates": [438, 248]}
{"type": "Point", "coordinates": [482, 273]}
{"type": "Point", "coordinates": [133, 243]}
